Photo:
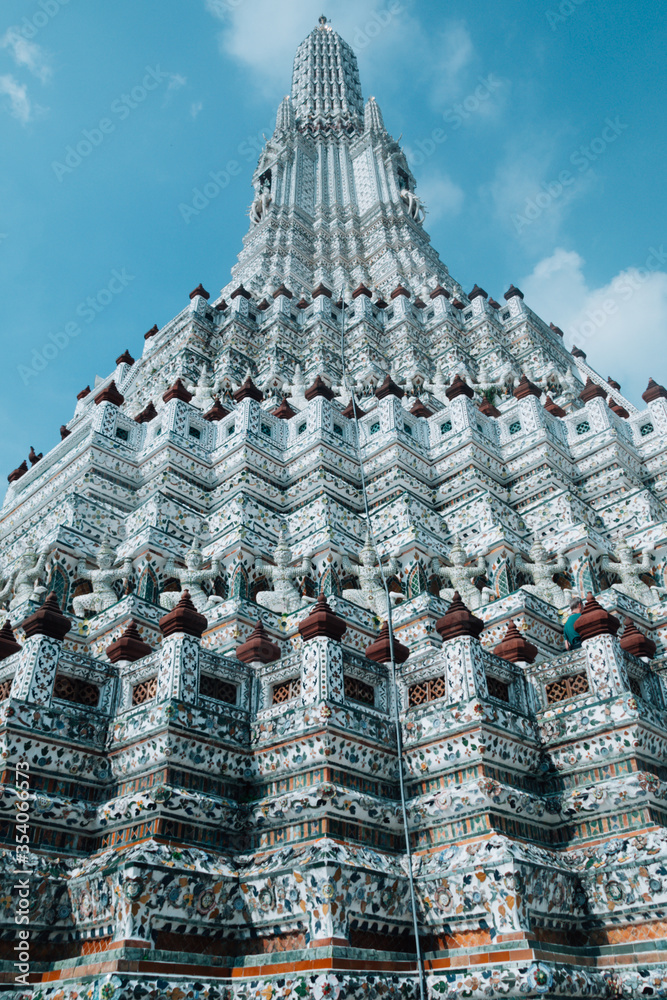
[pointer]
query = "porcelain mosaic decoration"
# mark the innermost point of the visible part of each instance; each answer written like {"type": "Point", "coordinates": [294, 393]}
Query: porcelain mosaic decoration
{"type": "Point", "coordinates": [200, 775]}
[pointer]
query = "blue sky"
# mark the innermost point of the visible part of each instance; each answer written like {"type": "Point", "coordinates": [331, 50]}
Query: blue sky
{"type": "Point", "coordinates": [535, 128]}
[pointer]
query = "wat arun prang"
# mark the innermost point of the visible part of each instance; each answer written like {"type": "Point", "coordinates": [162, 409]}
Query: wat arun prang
{"type": "Point", "coordinates": [195, 805]}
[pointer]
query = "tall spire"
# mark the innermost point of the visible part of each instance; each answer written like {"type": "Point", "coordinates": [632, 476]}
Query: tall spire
{"type": "Point", "coordinates": [326, 90]}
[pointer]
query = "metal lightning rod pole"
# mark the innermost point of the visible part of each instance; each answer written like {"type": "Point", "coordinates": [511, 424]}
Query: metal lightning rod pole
{"type": "Point", "coordinates": [397, 718]}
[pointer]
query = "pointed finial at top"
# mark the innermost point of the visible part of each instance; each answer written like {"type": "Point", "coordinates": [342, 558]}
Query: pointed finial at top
{"type": "Point", "coordinates": [324, 20]}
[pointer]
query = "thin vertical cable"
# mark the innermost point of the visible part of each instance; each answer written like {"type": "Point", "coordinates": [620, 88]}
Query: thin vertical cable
{"type": "Point", "coordinates": [397, 717]}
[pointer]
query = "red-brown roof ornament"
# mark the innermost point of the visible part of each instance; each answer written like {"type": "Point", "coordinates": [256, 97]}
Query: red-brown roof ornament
{"type": "Point", "coordinates": [125, 359]}
{"type": "Point", "coordinates": [19, 471]}
{"type": "Point", "coordinates": [47, 620]}
{"type": "Point", "coordinates": [129, 646]}
{"type": "Point", "coordinates": [556, 329]}
{"type": "Point", "coordinates": [594, 620]}
{"type": "Point", "coordinates": [8, 643]}
{"type": "Point", "coordinates": [619, 410]}
{"type": "Point", "coordinates": [217, 412]}
{"type": "Point", "coordinates": [576, 352]}
{"type": "Point", "coordinates": [110, 395]}
{"type": "Point", "coordinates": [147, 414]}
{"type": "Point", "coordinates": [654, 391]}
{"type": "Point", "coordinates": [177, 391]}
{"type": "Point", "coordinates": [458, 621]}
{"type": "Point", "coordinates": [613, 383]}
{"type": "Point", "coordinates": [361, 289]}
{"type": "Point", "coordinates": [458, 388]}
{"type": "Point", "coordinates": [321, 290]}
{"type": "Point", "coordinates": [438, 291]}
{"type": "Point", "coordinates": [302, 303]}
{"type": "Point", "coordinates": [592, 391]}
{"type": "Point", "coordinates": [380, 649]}
{"type": "Point", "coordinates": [248, 390]}
{"type": "Point", "coordinates": [633, 641]}
{"type": "Point", "coordinates": [84, 392]}
{"type": "Point", "coordinates": [64, 432]}
{"type": "Point", "coordinates": [221, 306]}
{"type": "Point", "coordinates": [488, 409]}
{"type": "Point", "coordinates": [34, 457]}
{"type": "Point", "coordinates": [400, 290]}
{"type": "Point", "coordinates": [282, 290]}
{"type": "Point", "coordinates": [263, 305]}
{"type": "Point", "coordinates": [183, 619]}
{"type": "Point", "coordinates": [151, 333]}
{"type": "Point", "coordinates": [389, 388]}
{"type": "Point", "coordinates": [419, 410]}
{"type": "Point", "coordinates": [554, 408]}
{"type": "Point", "coordinates": [419, 303]}
{"type": "Point", "coordinates": [199, 290]}
{"type": "Point", "coordinates": [258, 647]}
{"type": "Point", "coordinates": [477, 292]}
{"type": "Point", "coordinates": [322, 622]}
{"type": "Point", "coordinates": [240, 291]}
{"type": "Point", "coordinates": [496, 305]}
{"type": "Point", "coordinates": [513, 292]}
{"type": "Point", "coordinates": [514, 647]}
{"type": "Point", "coordinates": [284, 411]}
{"type": "Point", "coordinates": [458, 304]}
{"type": "Point", "coordinates": [526, 388]}
{"type": "Point", "coordinates": [352, 409]}
{"type": "Point", "coordinates": [318, 388]}
{"type": "Point", "coordinates": [380, 303]}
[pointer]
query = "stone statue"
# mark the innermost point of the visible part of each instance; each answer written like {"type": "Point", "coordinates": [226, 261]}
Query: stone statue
{"type": "Point", "coordinates": [438, 385]}
{"type": "Point", "coordinates": [297, 389]}
{"type": "Point", "coordinates": [261, 204]}
{"type": "Point", "coordinates": [285, 597]}
{"type": "Point", "coordinates": [630, 572]}
{"type": "Point", "coordinates": [191, 578]}
{"type": "Point", "coordinates": [102, 579]}
{"type": "Point", "coordinates": [371, 593]}
{"type": "Point", "coordinates": [25, 579]}
{"type": "Point", "coordinates": [541, 569]}
{"type": "Point", "coordinates": [202, 392]}
{"type": "Point", "coordinates": [461, 577]}
{"type": "Point", "coordinates": [415, 208]}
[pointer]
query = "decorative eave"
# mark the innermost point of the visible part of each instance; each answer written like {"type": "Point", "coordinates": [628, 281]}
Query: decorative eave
{"type": "Point", "coordinates": [557, 330]}
{"type": "Point", "coordinates": [361, 289]}
{"type": "Point", "coordinates": [199, 290]}
{"type": "Point", "coordinates": [240, 291]}
{"type": "Point", "coordinates": [151, 333]}
{"type": "Point", "coordinates": [488, 409]}
{"type": "Point", "coordinates": [350, 411]}
{"type": "Point", "coordinates": [458, 621]}
{"type": "Point", "coordinates": [400, 290]}
{"type": "Point", "coordinates": [84, 392]}
{"type": "Point", "coordinates": [147, 414]}
{"type": "Point", "coordinates": [654, 391]}
{"type": "Point", "coordinates": [125, 359]}
{"type": "Point", "coordinates": [514, 647]}
{"type": "Point", "coordinates": [258, 647]}
{"type": "Point", "coordinates": [322, 623]}
{"type": "Point", "coordinates": [321, 290]}
{"type": "Point", "coordinates": [459, 387]}
{"type": "Point", "coordinates": [635, 642]}
{"type": "Point", "coordinates": [184, 619]}
{"type": "Point", "coordinates": [512, 293]}
{"type": "Point", "coordinates": [47, 620]}
{"type": "Point", "coordinates": [595, 621]}
{"type": "Point", "coordinates": [592, 391]}
{"type": "Point", "coordinates": [476, 293]}
{"type": "Point", "coordinates": [438, 291]}
{"type": "Point", "coordinates": [389, 388]}
{"type": "Point", "coordinates": [284, 411]}
{"type": "Point", "coordinates": [129, 646]}
{"type": "Point", "coordinates": [318, 388]}
{"type": "Point", "coordinates": [380, 649]}
{"type": "Point", "coordinates": [282, 290]}
{"type": "Point", "coordinates": [217, 412]}
{"type": "Point", "coordinates": [248, 390]}
{"type": "Point", "coordinates": [526, 388]}
{"type": "Point", "coordinates": [110, 395]}
{"type": "Point", "coordinates": [177, 391]}
{"type": "Point", "coordinates": [554, 408]}
{"type": "Point", "coordinates": [419, 410]}
{"type": "Point", "coordinates": [8, 643]}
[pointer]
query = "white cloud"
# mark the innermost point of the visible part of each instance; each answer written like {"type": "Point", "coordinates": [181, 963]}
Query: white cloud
{"type": "Point", "coordinates": [176, 81]}
{"type": "Point", "coordinates": [195, 108]}
{"type": "Point", "coordinates": [26, 53]}
{"type": "Point", "coordinates": [453, 55]}
{"type": "Point", "coordinates": [441, 196]}
{"type": "Point", "coordinates": [17, 99]}
{"type": "Point", "coordinates": [620, 325]}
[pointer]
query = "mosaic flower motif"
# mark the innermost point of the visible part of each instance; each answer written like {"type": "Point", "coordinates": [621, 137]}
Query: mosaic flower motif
{"type": "Point", "coordinates": [540, 977]}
